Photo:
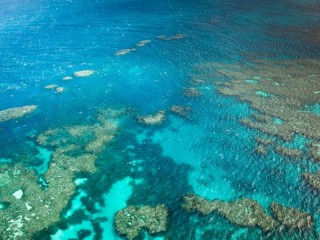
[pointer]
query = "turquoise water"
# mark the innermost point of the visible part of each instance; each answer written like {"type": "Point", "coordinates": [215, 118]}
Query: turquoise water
{"type": "Point", "coordinates": [210, 154]}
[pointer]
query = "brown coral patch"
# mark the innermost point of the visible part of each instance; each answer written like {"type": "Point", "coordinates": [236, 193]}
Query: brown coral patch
{"type": "Point", "coordinates": [244, 212]}
{"type": "Point", "coordinates": [314, 150]}
{"type": "Point", "coordinates": [289, 152]}
{"type": "Point", "coordinates": [181, 111]}
{"type": "Point", "coordinates": [131, 220]}
{"type": "Point", "coordinates": [291, 218]}
{"type": "Point", "coordinates": [312, 179]}
{"type": "Point", "coordinates": [191, 92]}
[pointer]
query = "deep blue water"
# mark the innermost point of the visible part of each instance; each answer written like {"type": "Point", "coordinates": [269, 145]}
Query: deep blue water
{"type": "Point", "coordinates": [212, 155]}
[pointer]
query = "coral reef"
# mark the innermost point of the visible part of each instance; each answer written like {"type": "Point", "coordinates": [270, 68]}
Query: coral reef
{"type": "Point", "coordinates": [83, 73]}
{"type": "Point", "coordinates": [308, 33]}
{"type": "Point", "coordinates": [32, 207]}
{"type": "Point", "coordinates": [191, 92]}
{"type": "Point", "coordinates": [261, 149]}
{"type": "Point", "coordinates": [289, 152]}
{"type": "Point", "coordinates": [54, 87]}
{"type": "Point", "coordinates": [291, 218]}
{"type": "Point", "coordinates": [313, 179]}
{"type": "Point", "coordinates": [124, 51]}
{"type": "Point", "coordinates": [264, 141]}
{"type": "Point", "coordinates": [37, 208]}
{"type": "Point", "coordinates": [181, 111]}
{"type": "Point", "coordinates": [16, 112]}
{"type": "Point", "coordinates": [291, 85]}
{"type": "Point", "coordinates": [156, 119]}
{"type": "Point", "coordinates": [67, 78]}
{"type": "Point", "coordinates": [194, 203]}
{"type": "Point", "coordinates": [263, 145]}
{"type": "Point", "coordinates": [59, 90]}
{"type": "Point", "coordinates": [90, 138]}
{"type": "Point", "coordinates": [51, 86]}
{"type": "Point", "coordinates": [173, 37]}
{"type": "Point", "coordinates": [131, 220]}
{"type": "Point", "coordinates": [244, 212]}
{"type": "Point", "coordinates": [314, 150]}
{"type": "Point", "coordinates": [143, 43]}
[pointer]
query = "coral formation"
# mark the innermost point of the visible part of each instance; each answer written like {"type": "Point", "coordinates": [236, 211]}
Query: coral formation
{"type": "Point", "coordinates": [32, 207]}
{"type": "Point", "coordinates": [244, 212]}
{"type": "Point", "coordinates": [289, 152]}
{"type": "Point", "coordinates": [291, 218]}
{"type": "Point", "coordinates": [83, 73]}
{"type": "Point", "coordinates": [191, 92]}
{"type": "Point", "coordinates": [291, 85]}
{"type": "Point", "coordinates": [51, 86]}
{"type": "Point", "coordinates": [143, 43]}
{"type": "Point", "coordinates": [59, 90]}
{"type": "Point", "coordinates": [124, 51]}
{"type": "Point", "coordinates": [263, 144]}
{"type": "Point", "coordinates": [264, 141]}
{"type": "Point", "coordinates": [173, 37]}
{"type": "Point", "coordinates": [308, 33]}
{"type": "Point", "coordinates": [181, 111]}
{"type": "Point", "coordinates": [155, 119]}
{"type": "Point", "coordinates": [54, 87]}
{"type": "Point", "coordinates": [261, 149]}
{"type": "Point", "coordinates": [313, 179]}
{"type": "Point", "coordinates": [67, 78]}
{"type": "Point", "coordinates": [16, 112]}
{"type": "Point", "coordinates": [314, 150]}
{"type": "Point", "coordinates": [131, 220]}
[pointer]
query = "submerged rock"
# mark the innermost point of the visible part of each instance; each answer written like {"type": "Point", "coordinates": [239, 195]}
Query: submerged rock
{"type": "Point", "coordinates": [16, 112]}
{"type": "Point", "coordinates": [83, 73]}
{"type": "Point", "coordinates": [155, 119]}
{"type": "Point", "coordinates": [131, 220]}
{"type": "Point", "coordinates": [291, 218]}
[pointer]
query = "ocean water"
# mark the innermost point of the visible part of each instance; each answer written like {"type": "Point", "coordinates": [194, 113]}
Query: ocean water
{"type": "Point", "coordinates": [210, 154]}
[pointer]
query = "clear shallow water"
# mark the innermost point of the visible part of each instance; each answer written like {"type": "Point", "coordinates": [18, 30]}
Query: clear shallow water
{"type": "Point", "coordinates": [212, 154]}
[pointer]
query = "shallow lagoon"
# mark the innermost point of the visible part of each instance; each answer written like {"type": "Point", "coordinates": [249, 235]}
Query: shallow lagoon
{"type": "Point", "coordinates": [211, 153]}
